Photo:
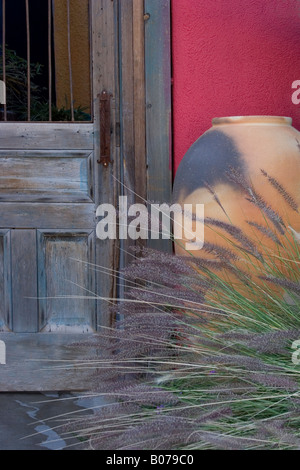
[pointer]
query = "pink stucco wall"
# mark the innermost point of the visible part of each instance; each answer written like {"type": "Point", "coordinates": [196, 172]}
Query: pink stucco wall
{"type": "Point", "coordinates": [232, 57]}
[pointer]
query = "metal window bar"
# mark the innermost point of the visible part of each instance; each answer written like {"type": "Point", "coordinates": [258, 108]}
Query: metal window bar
{"type": "Point", "coordinates": [28, 62]}
{"type": "Point", "coordinates": [70, 61]}
{"type": "Point", "coordinates": [4, 54]}
{"type": "Point", "coordinates": [50, 56]}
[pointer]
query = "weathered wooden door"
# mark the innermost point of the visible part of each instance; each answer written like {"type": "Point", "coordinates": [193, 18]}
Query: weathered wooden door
{"type": "Point", "coordinates": [50, 186]}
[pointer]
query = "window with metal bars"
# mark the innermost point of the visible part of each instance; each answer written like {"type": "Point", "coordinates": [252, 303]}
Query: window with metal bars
{"type": "Point", "coordinates": [45, 60]}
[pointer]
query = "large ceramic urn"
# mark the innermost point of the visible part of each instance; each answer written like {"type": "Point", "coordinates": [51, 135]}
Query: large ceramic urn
{"type": "Point", "coordinates": [245, 170]}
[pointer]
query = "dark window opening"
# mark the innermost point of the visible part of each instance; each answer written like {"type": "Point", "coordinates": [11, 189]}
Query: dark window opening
{"type": "Point", "coordinates": [69, 102]}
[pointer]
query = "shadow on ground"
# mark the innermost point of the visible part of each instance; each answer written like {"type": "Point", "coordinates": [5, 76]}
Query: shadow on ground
{"type": "Point", "coordinates": [33, 421]}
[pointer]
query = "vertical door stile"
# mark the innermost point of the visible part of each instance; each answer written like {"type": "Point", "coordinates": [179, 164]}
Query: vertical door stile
{"type": "Point", "coordinates": [104, 21]}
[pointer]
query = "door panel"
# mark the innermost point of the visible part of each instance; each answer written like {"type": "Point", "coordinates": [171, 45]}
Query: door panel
{"type": "Point", "coordinates": [50, 186]}
{"type": "Point", "coordinates": [64, 275]}
{"type": "Point", "coordinates": [24, 285]}
{"type": "Point", "coordinates": [43, 176]}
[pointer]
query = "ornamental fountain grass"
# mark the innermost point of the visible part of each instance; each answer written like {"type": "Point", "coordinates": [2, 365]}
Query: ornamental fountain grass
{"type": "Point", "coordinates": [202, 358]}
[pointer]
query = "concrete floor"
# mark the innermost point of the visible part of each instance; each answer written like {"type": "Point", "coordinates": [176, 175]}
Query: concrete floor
{"type": "Point", "coordinates": [32, 421]}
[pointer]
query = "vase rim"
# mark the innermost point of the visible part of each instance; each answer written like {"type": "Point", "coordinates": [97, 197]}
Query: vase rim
{"type": "Point", "coordinates": [279, 120]}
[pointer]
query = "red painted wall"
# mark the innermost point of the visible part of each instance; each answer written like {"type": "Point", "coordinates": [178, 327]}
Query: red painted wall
{"type": "Point", "coordinates": [232, 57]}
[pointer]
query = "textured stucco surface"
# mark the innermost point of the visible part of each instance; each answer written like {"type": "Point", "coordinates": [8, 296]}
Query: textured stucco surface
{"type": "Point", "coordinates": [232, 57]}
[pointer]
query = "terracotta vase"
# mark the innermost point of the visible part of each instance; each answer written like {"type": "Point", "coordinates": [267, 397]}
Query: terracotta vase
{"type": "Point", "coordinates": [240, 169]}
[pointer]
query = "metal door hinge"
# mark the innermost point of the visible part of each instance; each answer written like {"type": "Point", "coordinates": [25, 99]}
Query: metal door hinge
{"type": "Point", "coordinates": [105, 128]}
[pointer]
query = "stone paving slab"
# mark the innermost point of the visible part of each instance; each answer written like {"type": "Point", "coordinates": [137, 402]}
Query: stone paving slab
{"type": "Point", "coordinates": [25, 424]}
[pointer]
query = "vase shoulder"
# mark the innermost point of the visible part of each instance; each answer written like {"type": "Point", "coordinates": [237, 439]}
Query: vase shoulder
{"type": "Point", "coordinates": [252, 120]}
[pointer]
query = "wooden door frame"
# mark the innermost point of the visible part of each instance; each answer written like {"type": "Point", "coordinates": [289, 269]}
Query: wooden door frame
{"type": "Point", "coordinates": [145, 97]}
{"type": "Point", "coordinates": [159, 100]}
{"type": "Point", "coordinates": [144, 80]}
{"type": "Point", "coordinates": [141, 146]}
